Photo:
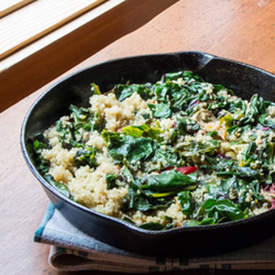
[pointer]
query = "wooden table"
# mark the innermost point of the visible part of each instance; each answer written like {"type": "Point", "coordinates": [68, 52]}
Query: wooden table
{"type": "Point", "coordinates": [242, 30]}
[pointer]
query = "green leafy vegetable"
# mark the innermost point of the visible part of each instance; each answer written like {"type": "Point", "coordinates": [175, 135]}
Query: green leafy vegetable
{"type": "Point", "coordinates": [138, 200]}
{"type": "Point", "coordinates": [40, 142]}
{"type": "Point", "coordinates": [95, 89]}
{"type": "Point", "coordinates": [257, 106]}
{"type": "Point", "coordinates": [167, 157]}
{"type": "Point", "coordinates": [161, 110]}
{"type": "Point", "coordinates": [127, 148]}
{"type": "Point", "coordinates": [111, 181]}
{"type": "Point", "coordinates": [35, 147]}
{"type": "Point", "coordinates": [186, 202]}
{"type": "Point", "coordinates": [169, 181]}
{"type": "Point", "coordinates": [199, 148]}
{"type": "Point", "coordinates": [250, 154]}
{"type": "Point", "coordinates": [187, 125]}
{"type": "Point", "coordinates": [86, 156]}
{"type": "Point", "coordinates": [143, 131]}
{"type": "Point", "coordinates": [215, 211]}
{"type": "Point", "coordinates": [123, 91]}
{"type": "Point", "coordinates": [267, 122]}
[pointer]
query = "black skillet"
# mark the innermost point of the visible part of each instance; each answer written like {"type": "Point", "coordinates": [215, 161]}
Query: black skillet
{"type": "Point", "coordinates": [244, 79]}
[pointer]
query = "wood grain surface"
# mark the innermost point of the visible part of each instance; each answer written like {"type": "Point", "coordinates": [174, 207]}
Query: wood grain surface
{"type": "Point", "coordinates": [242, 30]}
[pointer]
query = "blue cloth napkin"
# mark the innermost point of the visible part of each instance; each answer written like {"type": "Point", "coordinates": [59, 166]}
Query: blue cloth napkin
{"type": "Point", "coordinates": [73, 250]}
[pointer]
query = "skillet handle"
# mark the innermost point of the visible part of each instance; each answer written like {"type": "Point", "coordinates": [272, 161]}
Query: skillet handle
{"type": "Point", "coordinates": [194, 61]}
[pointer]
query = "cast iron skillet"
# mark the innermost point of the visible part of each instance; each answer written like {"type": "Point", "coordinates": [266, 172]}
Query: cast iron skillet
{"type": "Point", "coordinates": [244, 79]}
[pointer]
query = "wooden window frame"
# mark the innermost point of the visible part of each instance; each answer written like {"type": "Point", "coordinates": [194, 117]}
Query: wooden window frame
{"type": "Point", "coordinates": [42, 60]}
{"type": "Point", "coordinates": [15, 7]}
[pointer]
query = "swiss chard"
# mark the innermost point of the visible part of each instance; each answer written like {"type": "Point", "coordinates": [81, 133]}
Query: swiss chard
{"type": "Point", "coordinates": [267, 122]}
{"type": "Point", "coordinates": [250, 153]}
{"type": "Point", "coordinates": [215, 211]}
{"type": "Point", "coordinates": [138, 200]}
{"type": "Point", "coordinates": [123, 91]}
{"type": "Point", "coordinates": [86, 156]}
{"type": "Point", "coordinates": [95, 89]}
{"type": "Point", "coordinates": [79, 115]}
{"type": "Point", "coordinates": [127, 148]}
{"type": "Point", "coordinates": [186, 202]}
{"type": "Point", "coordinates": [187, 125]}
{"type": "Point", "coordinates": [187, 76]}
{"type": "Point", "coordinates": [161, 110]}
{"type": "Point", "coordinates": [38, 143]}
{"type": "Point", "coordinates": [167, 157]}
{"type": "Point", "coordinates": [143, 130]}
{"type": "Point", "coordinates": [170, 181]}
{"type": "Point", "coordinates": [111, 181]}
{"type": "Point", "coordinates": [257, 106]}
{"type": "Point", "coordinates": [199, 148]}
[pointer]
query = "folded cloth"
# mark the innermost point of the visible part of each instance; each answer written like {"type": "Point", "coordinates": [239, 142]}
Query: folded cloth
{"type": "Point", "coordinates": [73, 250]}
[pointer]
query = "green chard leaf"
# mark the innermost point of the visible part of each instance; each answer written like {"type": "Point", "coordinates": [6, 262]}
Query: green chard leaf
{"type": "Point", "coordinates": [127, 148]}
{"type": "Point", "coordinates": [143, 130]}
{"type": "Point", "coordinates": [127, 175]}
{"type": "Point", "coordinates": [138, 200]}
{"type": "Point", "coordinates": [172, 76]}
{"type": "Point", "coordinates": [167, 157]}
{"type": "Point", "coordinates": [169, 181]}
{"type": "Point", "coordinates": [188, 125]}
{"type": "Point", "coordinates": [95, 89]}
{"type": "Point", "coordinates": [79, 114]}
{"type": "Point", "coordinates": [161, 110]}
{"type": "Point", "coordinates": [123, 91]}
{"type": "Point", "coordinates": [35, 146]}
{"type": "Point", "coordinates": [220, 210]}
{"type": "Point", "coordinates": [256, 108]}
{"type": "Point", "coordinates": [111, 181]}
{"type": "Point", "coordinates": [250, 153]}
{"type": "Point", "coordinates": [86, 156]}
{"type": "Point", "coordinates": [199, 148]}
{"type": "Point", "coordinates": [243, 172]}
{"type": "Point", "coordinates": [40, 142]}
{"type": "Point", "coordinates": [186, 202]}
{"type": "Point", "coordinates": [267, 122]}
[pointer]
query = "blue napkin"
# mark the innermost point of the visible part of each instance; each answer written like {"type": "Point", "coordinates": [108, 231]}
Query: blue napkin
{"type": "Point", "coordinates": [73, 250]}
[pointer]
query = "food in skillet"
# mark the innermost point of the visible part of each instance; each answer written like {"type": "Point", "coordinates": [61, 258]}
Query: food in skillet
{"type": "Point", "coordinates": [178, 152]}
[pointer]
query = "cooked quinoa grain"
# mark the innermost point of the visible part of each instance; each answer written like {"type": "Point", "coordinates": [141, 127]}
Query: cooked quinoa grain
{"type": "Point", "coordinates": [178, 152]}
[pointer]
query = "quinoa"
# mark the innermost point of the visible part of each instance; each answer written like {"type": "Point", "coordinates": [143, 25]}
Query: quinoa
{"type": "Point", "coordinates": [177, 152]}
